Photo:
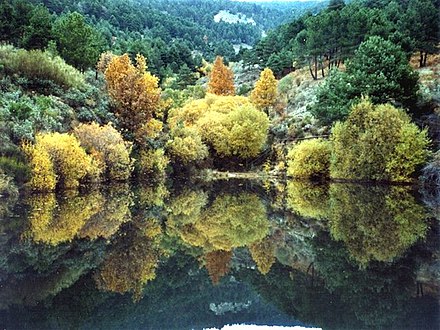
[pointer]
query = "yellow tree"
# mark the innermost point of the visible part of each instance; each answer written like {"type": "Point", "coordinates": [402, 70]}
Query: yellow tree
{"type": "Point", "coordinates": [134, 91]}
{"type": "Point", "coordinates": [221, 81]}
{"type": "Point", "coordinates": [265, 92]}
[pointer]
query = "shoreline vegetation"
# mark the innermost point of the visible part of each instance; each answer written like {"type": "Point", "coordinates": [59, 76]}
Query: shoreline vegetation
{"type": "Point", "coordinates": [372, 116]}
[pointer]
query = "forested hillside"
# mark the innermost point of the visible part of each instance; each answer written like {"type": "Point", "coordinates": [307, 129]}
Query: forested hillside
{"type": "Point", "coordinates": [326, 40]}
{"type": "Point", "coordinates": [168, 33]}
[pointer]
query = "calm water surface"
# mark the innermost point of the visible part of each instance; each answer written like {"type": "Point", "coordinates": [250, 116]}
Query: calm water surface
{"type": "Point", "coordinates": [340, 256]}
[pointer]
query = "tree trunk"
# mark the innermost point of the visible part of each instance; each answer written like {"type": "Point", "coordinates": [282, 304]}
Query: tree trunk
{"type": "Point", "coordinates": [311, 71]}
{"type": "Point", "coordinates": [421, 59]}
{"type": "Point", "coordinates": [316, 67]}
{"type": "Point", "coordinates": [425, 58]}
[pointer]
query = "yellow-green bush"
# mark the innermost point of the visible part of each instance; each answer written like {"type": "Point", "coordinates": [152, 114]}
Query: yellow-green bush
{"type": "Point", "coordinates": [309, 159]}
{"type": "Point", "coordinates": [152, 164]}
{"type": "Point", "coordinates": [107, 146]}
{"type": "Point", "coordinates": [60, 154]}
{"type": "Point", "coordinates": [37, 64]}
{"type": "Point", "coordinates": [230, 124]}
{"type": "Point", "coordinates": [186, 145]}
{"type": "Point", "coordinates": [43, 176]}
{"type": "Point", "coordinates": [377, 143]}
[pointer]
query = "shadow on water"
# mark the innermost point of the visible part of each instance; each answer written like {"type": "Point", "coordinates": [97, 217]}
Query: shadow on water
{"type": "Point", "coordinates": [338, 256]}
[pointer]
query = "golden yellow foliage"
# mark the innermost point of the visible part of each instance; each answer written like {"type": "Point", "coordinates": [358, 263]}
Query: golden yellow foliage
{"type": "Point", "coordinates": [221, 80]}
{"type": "Point", "coordinates": [309, 159]}
{"type": "Point", "coordinates": [54, 223]}
{"type": "Point", "coordinates": [186, 145]}
{"type": "Point", "coordinates": [69, 161]}
{"type": "Point", "coordinates": [134, 90]}
{"type": "Point", "coordinates": [43, 176]}
{"type": "Point", "coordinates": [231, 124]}
{"type": "Point", "coordinates": [264, 95]}
{"type": "Point", "coordinates": [152, 164]}
{"type": "Point", "coordinates": [107, 146]}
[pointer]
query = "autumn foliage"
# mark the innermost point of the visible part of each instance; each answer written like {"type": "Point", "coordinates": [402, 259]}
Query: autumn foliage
{"type": "Point", "coordinates": [106, 145]}
{"type": "Point", "coordinates": [265, 92]}
{"type": "Point", "coordinates": [135, 92]}
{"type": "Point", "coordinates": [70, 162]}
{"type": "Point", "coordinates": [221, 80]}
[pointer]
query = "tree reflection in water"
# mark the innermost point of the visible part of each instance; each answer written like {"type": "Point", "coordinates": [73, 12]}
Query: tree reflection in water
{"type": "Point", "coordinates": [334, 250]}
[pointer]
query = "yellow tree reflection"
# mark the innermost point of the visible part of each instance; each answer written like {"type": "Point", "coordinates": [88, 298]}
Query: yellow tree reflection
{"type": "Point", "coordinates": [114, 213]}
{"type": "Point", "coordinates": [308, 199]}
{"type": "Point", "coordinates": [375, 223]}
{"type": "Point", "coordinates": [132, 261]}
{"type": "Point", "coordinates": [263, 253]}
{"type": "Point", "coordinates": [53, 222]}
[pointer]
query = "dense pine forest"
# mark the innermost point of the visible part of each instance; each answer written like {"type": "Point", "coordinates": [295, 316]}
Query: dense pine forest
{"type": "Point", "coordinates": [110, 90]}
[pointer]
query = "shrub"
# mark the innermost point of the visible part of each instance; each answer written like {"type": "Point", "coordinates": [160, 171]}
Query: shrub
{"type": "Point", "coordinates": [108, 147]}
{"type": "Point", "coordinates": [39, 65]}
{"type": "Point", "coordinates": [7, 186]}
{"type": "Point", "coordinates": [14, 167]}
{"type": "Point", "coordinates": [60, 154]}
{"type": "Point", "coordinates": [230, 124]}
{"type": "Point", "coordinates": [309, 159]}
{"type": "Point", "coordinates": [186, 145]}
{"type": "Point", "coordinates": [152, 164]}
{"type": "Point", "coordinates": [377, 143]}
{"type": "Point", "coordinates": [43, 176]}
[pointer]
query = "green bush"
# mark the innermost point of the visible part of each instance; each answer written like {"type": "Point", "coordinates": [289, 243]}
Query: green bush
{"type": "Point", "coordinates": [377, 143]}
{"type": "Point", "coordinates": [39, 65]}
{"type": "Point", "coordinates": [15, 168]}
{"type": "Point", "coordinates": [309, 159]}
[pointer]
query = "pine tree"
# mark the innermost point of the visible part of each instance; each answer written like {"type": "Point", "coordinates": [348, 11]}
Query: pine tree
{"type": "Point", "coordinates": [265, 92]}
{"type": "Point", "coordinates": [221, 79]}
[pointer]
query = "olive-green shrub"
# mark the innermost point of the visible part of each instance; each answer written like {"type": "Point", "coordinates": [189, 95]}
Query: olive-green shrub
{"type": "Point", "coordinates": [309, 159]}
{"type": "Point", "coordinates": [377, 142]}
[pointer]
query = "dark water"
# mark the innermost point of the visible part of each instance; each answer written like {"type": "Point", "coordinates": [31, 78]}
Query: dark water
{"type": "Point", "coordinates": [341, 256]}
